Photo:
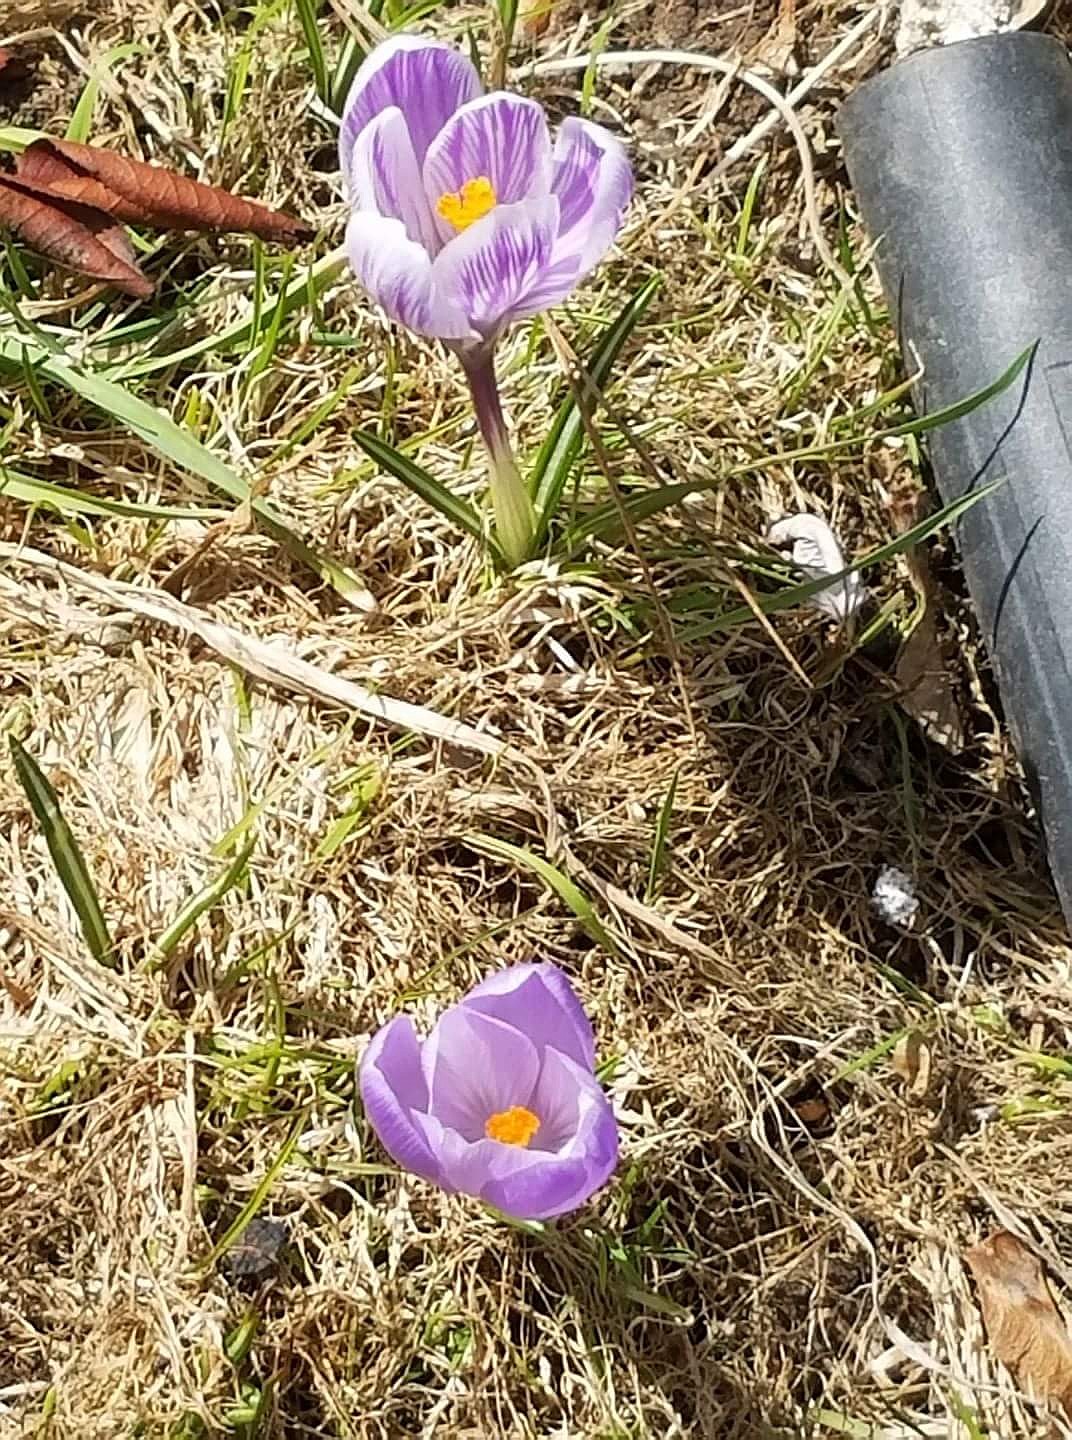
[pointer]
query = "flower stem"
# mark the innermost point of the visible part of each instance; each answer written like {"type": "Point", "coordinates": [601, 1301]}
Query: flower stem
{"type": "Point", "coordinates": [515, 516]}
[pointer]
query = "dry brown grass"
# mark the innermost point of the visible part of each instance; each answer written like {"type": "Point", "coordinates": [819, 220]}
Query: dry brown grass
{"type": "Point", "coordinates": [782, 1246]}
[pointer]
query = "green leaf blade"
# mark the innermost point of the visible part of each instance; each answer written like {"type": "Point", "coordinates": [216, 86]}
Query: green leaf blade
{"type": "Point", "coordinates": [67, 857]}
{"type": "Point", "coordinates": [459, 512]}
{"type": "Point", "coordinates": [567, 891]}
{"type": "Point", "coordinates": [560, 451]}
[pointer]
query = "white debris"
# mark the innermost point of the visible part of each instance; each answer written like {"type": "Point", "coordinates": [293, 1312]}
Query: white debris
{"type": "Point", "coordinates": [816, 551]}
{"type": "Point", "coordinates": [926, 23]}
{"type": "Point", "coordinates": [894, 897]}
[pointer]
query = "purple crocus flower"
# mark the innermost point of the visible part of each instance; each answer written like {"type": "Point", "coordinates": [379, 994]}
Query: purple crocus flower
{"type": "Point", "coordinates": [500, 1101]}
{"type": "Point", "coordinates": [466, 218]}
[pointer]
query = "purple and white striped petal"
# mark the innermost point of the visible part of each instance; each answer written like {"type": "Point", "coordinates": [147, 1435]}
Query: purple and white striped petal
{"type": "Point", "coordinates": [385, 178]}
{"type": "Point", "coordinates": [491, 267]}
{"type": "Point", "coordinates": [426, 80]}
{"type": "Point", "coordinates": [502, 138]}
{"type": "Point", "coordinates": [398, 274]}
{"type": "Point", "coordinates": [593, 181]}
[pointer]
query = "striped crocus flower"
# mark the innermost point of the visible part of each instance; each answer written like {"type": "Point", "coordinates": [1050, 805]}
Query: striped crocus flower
{"type": "Point", "coordinates": [466, 217]}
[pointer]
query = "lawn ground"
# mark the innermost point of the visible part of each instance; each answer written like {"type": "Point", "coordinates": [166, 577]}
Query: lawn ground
{"type": "Point", "coordinates": [820, 1111]}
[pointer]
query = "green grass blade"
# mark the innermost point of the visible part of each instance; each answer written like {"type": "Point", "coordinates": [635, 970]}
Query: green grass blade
{"type": "Point", "coordinates": [416, 478]}
{"type": "Point", "coordinates": [204, 900]}
{"type": "Point", "coordinates": [558, 453]}
{"type": "Point", "coordinates": [244, 334]}
{"type": "Point", "coordinates": [947, 413]}
{"type": "Point", "coordinates": [554, 879]}
{"type": "Point", "coordinates": [166, 438]}
{"type": "Point", "coordinates": [309, 19]}
{"type": "Point", "coordinates": [237, 1227]}
{"type": "Point", "coordinates": [81, 123]}
{"type": "Point", "coordinates": [15, 138]}
{"type": "Point", "coordinates": [797, 594]}
{"type": "Point", "coordinates": [662, 835]}
{"type": "Point", "coordinates": [66, 856]}
{"type": "Point", "coordinates": [37, 395]}
{"type": "Point", "coordinates": [346, 67]}
{"type": "Point", "coordinates": [66, 501]}
{"type": "Point", "coordinates": [748, 207]}
{"type": "Point", "coordinates": [597, 46]}
{"type": "Point", "coordinates": [268, 345]}
{"type": "Point", "coordinates": [263, 16]}
{"type": "Point", "coordinates": [316, 417]}
{"type": "Point", "coordinates": [642, 506]}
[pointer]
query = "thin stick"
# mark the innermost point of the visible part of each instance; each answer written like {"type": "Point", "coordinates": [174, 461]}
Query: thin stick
{"type": "Point", "coordinates": [267, 662]}
{"type": "Point", "coordinates": [585, 392]}
{"type": "Point", "coordinates": [804, 85]}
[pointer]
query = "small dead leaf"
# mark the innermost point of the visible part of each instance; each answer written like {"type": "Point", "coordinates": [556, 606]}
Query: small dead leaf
{"type": "Point", "coordinates": [74, 236]}
{"type": "Point", "coordinates": [20, 997]}
{"type": "Point", "coordinates": [813, 1114]}
{"type": "Point", "coordinates": [69, 202]}
{"type": "Point", "coordinates": [534, 17]}
{"type": "Point", "coordinates": [778, 48]}
{"type": "Point", "coordinates": [911, 1060]}
{"type": "Point", "coordinates": [1024, 1328]}
{"type": "Point", "coordinates": [928, 692]}
{"type": "Point", "coordinates": [138, 194]}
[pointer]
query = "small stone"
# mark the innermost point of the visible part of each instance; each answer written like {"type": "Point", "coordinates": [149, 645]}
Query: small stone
{"type": "Point", "coordinates": [255, 1252]}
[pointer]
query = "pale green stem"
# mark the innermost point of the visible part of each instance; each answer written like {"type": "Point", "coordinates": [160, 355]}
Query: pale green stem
{"type": "Point", "coordinates": [515, 516]}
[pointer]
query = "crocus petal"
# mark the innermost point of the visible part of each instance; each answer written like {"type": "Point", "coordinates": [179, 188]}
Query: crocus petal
{"type": "Point", "coordinates": [500, 137]}
{"type": "Point", "coordinates": [528, 1184]}
{"type": "Point", "coordinates": [542, 1190]}
{"type": "Point", "coordinates": [476, 1067]}
{"type": "Point", "coordinates": [392, 1087]}
{"type": "Point", "coordinates": [385, 178]}
{"type": "Point", "coordinates": [572, 1106]}
{"type": "Point", "coordinates": [465, 1165]}
{"type": "Point", "coordinates": [424, 79]}
{"type": "Point", "coordinates": [539, 1000]}
{"type": "Point", "coordinates": [491, 267]}
{"type": "Point", "coordinates": [593, 181]}
{"type": "Point", "coordinates": [559, 1182]}
{"type": "Point", "coordinates": [398, 274]}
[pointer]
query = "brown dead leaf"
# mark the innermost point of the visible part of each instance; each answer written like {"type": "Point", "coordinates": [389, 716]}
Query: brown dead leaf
{"type": "Point", "coordinates": [70, 202]}
{"type": "Point", "coordinates": [911, 1060]}
{"type": "Point", "coordinates": [1024, 1328]}
{"type": "Point", "coordinates": [74, 236]}
{"type": "Point", "coordinates": [928, 692]}
{"type": "Point", "coordinates": [138, 194]}
{"type": "Point", "coordinates": [534, 17]}
{"type": "Point", "coordinates": [778, 48]}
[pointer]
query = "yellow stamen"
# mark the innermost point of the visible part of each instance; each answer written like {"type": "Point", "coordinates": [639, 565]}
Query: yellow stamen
{"type": "Point", "coordinates": [515, 1126]}
{"type": "Point", "coordinates": [471, 203]}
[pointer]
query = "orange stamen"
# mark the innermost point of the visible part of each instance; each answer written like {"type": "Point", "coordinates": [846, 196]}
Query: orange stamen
{"type": "Point", "coordinates": [470, 204]}
{"type": "Point", "coordinates": [515, 1126]}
